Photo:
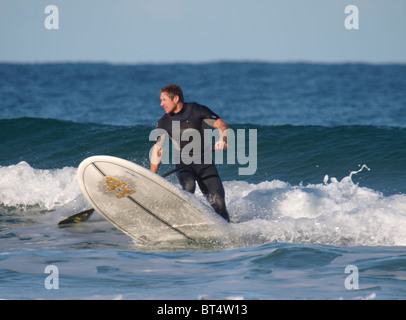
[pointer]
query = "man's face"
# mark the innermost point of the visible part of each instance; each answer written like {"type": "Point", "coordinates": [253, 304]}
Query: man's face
{"type": "Point", "coordinates": [167, 103]}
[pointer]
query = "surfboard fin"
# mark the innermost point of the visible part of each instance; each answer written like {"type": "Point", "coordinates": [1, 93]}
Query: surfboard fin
{"type": "Point", "coordinates": [76, 218]}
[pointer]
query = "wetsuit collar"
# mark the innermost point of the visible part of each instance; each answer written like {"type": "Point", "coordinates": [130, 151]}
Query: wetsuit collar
{"type": "Point", "coordinates": [181, 110]}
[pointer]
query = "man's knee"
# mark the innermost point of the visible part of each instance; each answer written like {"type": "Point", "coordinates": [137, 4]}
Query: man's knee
{"type": "Point", "coordinates": [189, 186]}
{"type": "Point", "coordinates": [187, 182]}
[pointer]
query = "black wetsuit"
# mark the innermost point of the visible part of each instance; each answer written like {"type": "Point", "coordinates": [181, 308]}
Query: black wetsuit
{"type": "Point", "coordinates": [193, 116]}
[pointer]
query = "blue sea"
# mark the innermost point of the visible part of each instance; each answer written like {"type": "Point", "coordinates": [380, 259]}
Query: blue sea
{"type": "Point", "coordinates": [322, 217]}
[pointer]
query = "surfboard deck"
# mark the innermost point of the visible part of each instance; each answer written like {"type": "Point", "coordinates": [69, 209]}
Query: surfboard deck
{"type": "Point", "coordinates": [145, 206]}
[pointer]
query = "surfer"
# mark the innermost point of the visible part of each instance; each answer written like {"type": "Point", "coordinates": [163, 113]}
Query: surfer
{"type": "Point", "coordinates": [187, 118]}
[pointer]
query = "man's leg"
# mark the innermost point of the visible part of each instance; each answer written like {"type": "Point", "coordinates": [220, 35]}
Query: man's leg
{"type": "Point", "coordinates": [212, 187]}
{"type": "Point", "coordinates": [186, 179]}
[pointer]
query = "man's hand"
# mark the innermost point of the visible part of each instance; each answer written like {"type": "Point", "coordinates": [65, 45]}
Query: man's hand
{"type": "Point", "coordinates": [220, 145]}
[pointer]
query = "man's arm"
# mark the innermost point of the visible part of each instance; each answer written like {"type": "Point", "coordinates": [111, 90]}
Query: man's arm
{"type": "Point", "coordinates": [221, 144]}
{"type": "Point", "coordinates": [156, 156]}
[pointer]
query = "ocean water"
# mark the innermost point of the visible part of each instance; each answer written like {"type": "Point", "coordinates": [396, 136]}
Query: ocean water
{"type": "Point", "coordinates": [322, 217]}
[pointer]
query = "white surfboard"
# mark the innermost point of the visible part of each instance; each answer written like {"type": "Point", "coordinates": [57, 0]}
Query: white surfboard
{"type": "Point", "coordinates": [145, 206]}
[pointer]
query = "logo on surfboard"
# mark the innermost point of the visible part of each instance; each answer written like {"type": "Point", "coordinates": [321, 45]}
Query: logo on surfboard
{"type": "Point", "coordinates": [119, 187]}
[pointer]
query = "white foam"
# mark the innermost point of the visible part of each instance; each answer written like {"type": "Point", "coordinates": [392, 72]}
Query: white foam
{"type": "Point", "coordinates": [334, 212]}
{"type": "Point", "coordinates": [22, 186]}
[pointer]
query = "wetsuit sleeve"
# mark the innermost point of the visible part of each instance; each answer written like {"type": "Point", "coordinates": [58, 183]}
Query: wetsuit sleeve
{"type": "Point", "coordinates": [207, 115]}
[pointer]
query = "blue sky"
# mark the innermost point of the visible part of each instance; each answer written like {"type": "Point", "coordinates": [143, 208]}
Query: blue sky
{"type": "Point", "coordinates": [144, 31]}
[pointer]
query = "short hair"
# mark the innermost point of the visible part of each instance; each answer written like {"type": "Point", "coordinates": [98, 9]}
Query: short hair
{"type": "Point", "coordinates": [173, 90]}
